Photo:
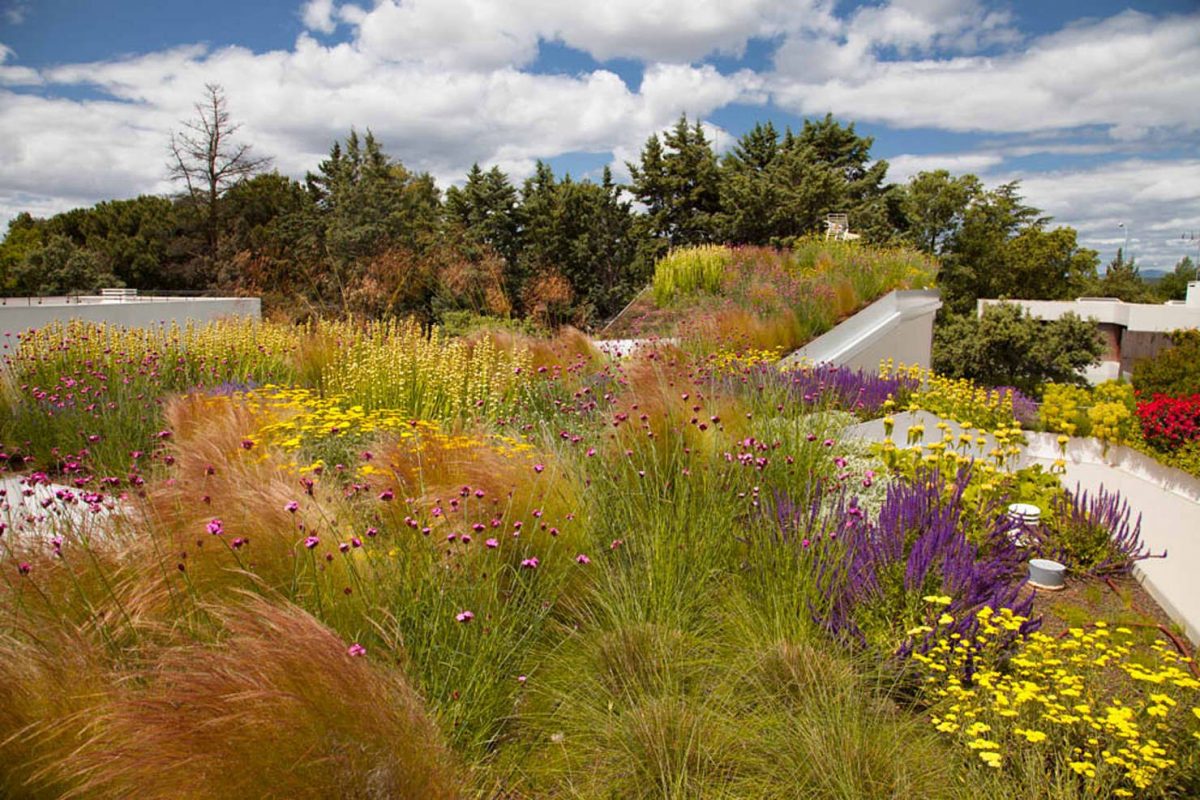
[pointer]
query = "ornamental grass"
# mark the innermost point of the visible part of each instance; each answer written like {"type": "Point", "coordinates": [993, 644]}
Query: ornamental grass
{"type": "Point", "coordinates": [376, 561]}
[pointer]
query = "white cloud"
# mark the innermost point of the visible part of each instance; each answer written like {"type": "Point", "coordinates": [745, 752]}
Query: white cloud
{"type": "Point", "coordinates": [294, 104]}
{"type": "Point", "coordinates": [1132, 72]}
{"type": "Point", "coordinates": [444, 83]}
{"type": "Point", "coordinates": [1156, 199]}
{"type": "Point", "coordinates": [16, 12]}
{"type": "Point", "coordinates": [487, 34]}
{"type": "Point", "coordinates": [318, 15]}
{"type": "Point", "coordinates": [905, 166]}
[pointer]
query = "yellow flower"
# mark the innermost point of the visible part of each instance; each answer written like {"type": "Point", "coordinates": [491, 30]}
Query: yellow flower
{"type": "Point", "coordinates": [941, 600]}
{"type": "Point", "coordinates": [991, 758]}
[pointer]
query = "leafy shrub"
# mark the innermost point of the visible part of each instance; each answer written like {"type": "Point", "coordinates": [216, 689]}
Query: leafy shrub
{"type": "Point", "coordinates": [1174, 371]}
{"type": "Point", "coordinates": [1006, 346]}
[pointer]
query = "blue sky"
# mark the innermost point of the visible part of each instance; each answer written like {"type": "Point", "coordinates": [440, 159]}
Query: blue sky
{"type": "Point", "coordinates": [1092, 105]}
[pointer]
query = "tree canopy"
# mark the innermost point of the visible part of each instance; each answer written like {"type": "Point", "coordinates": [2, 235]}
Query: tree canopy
{"type": "Point", "coordinates": [364, 233]}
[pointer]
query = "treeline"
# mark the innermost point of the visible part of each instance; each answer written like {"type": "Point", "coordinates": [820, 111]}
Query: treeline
{"type": "Point", "coordinates": [364, 234]}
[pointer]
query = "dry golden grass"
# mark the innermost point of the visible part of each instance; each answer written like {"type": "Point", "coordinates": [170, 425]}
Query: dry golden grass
{"type": "Point", "coordinates": [51, 681]}
{"type": "Point", "coordinates": [277, 709]}
{"type": "Point", "coordinates": [216, 478]}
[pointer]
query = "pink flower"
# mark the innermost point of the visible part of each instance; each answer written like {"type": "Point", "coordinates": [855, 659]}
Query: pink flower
{"type": "Point", "coordinates": [387, 495]}
{"type": "Point", "coordinates": [582, 559]}
{"type": "Point", "coordinates": [616, 543]}
{"type": "Point", "coordinates": [247, 444]}
{"type": "Point", "coordinates": [292, 507]}
{"type": "Point", "coordinates": [491, 544]}
{"type": "Point", "coordinates": [464, 616]}
{"type": "Point", "coordinates": [344, 547]}
{"type": "Point", "coordinates": [356, 650]}
{"type": "Point", "coordinates": [215, 527]}
{"type": "Point", "coordinates": [24, 568]}
{"type": "Point", "coordinates": [372, 531]}
{"type": "Point", "coordinates": [538, 468]}
{"type": "Point", "coordinates": [521, 679]}
{"type": "Point", "coordinates": [311, 541]}
{"type": "Point", "coordinates": [530, 563]}
{"type": "Point", "coordinates": [355, 541]}
{"type": "Point", "coordinates": [591, 451]}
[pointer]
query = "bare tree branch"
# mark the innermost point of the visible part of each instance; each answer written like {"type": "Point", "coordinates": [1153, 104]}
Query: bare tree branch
{"type": "Point", "coordinates": [204, 159]}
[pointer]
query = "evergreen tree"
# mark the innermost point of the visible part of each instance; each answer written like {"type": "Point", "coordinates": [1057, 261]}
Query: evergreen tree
{"type": "Point", "coordinates": [677, 181]}
{"type": "Point", "coordinates": [486, 210]}
{"type": "Point", "coordinates": [1173, 285]}
{"type": "Point", "coordinates": [363, 204]}
{"type": "Point", "coordinates": [1122, 279]}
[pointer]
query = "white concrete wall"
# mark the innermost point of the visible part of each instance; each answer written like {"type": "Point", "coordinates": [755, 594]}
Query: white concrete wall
{"type": "Point", "coordinates": [18, 315]}
{"type": "Point", "coordinates": [899, 326]}
{"type": "Point", "coordinates": [1162, 317]}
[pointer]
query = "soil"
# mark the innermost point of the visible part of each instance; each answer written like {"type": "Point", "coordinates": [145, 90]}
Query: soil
{"type": "Point", "coordinates": [1118, 600]}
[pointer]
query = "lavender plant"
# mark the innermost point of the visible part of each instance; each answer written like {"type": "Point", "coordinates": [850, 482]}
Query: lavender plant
{"type": "Point", "coordinates": [1094, 533]}
{"type": "Point", "coordinates": [873, 576]}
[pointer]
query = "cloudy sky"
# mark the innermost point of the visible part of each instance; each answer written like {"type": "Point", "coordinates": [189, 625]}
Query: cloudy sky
{"type": "Point", "coordinates": [1093, 105]}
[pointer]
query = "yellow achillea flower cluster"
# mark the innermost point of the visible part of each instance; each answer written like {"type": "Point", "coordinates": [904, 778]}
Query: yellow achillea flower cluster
{"type": "Point", "coordinates": [1112, 713]}
{"type": "Point", "coordinates": [736, 360]}
{"type": "Point", "coordinates": [293, 418]}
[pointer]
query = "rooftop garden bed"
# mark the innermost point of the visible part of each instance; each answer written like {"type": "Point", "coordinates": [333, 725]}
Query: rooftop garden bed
{"type": "Point", "coordinates": [757, 298]}
{"type": "Point", "coordinates": [371, 560]}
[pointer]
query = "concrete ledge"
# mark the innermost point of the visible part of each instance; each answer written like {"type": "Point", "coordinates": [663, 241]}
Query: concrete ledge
{"type": "Point", "coordinates": [898, 325]}
{"type": "Point", "coordinates": [141, 312]}
{"type": "Point", "coordinates": [1044, 447]}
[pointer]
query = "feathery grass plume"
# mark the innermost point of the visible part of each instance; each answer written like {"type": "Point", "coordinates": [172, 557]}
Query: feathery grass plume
{"type": "Point", "coordinates": [52, 680]}
{"type": "Point", "coordinates": [277, 706]}
{"type": "Point", "coordinates": [620, 712]}
{"type": "Point", "coordinates": [216, 478]}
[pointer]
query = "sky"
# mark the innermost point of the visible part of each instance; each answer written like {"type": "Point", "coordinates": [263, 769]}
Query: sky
{"type": "Point", "coordinates": [1093, 105]}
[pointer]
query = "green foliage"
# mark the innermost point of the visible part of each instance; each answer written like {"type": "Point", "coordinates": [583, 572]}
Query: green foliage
{"type": "Point", "coordinates": [1006, 346]}
{"type": "Point", "coordinates": [585, 232]}
{"type": "Point", "coordinates": [24, 237]}
{"type": "Point", "coordinates": [1175, 371]}
{"type": "Point", "coordinates": [1122, 280]}
{"type": "Point", "coordinates": [59, 267]}
{"type": "Point", "coordinates": [776, 188]}
{"type": "Point", "coordinates": [1173, 285]}
{"type": "Point", "coordinates": [690, 270]}
{"type": "Point", "coordinates": [993, 245]}
{"type": "Point", "coordinates": [676, 179]}
{"type": "Point", "coordinates": [934, 204]}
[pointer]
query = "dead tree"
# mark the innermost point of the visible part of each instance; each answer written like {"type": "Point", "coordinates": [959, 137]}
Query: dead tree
{"type": "Point", "coordinates": [206, 160]}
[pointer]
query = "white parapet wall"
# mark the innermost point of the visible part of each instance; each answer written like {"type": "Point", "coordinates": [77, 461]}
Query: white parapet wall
{"type": "Point", "coordinates": [898, 326]}
{"type": "Point", "coordinates": [21, 314]}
